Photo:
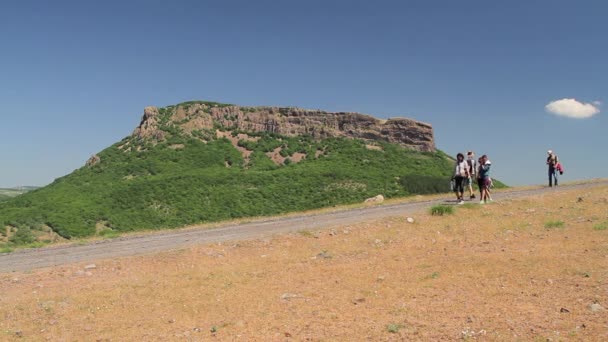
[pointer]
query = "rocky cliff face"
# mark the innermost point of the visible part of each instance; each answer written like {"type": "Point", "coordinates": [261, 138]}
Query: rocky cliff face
{"type": "Point", "coordinates": [287, 121]}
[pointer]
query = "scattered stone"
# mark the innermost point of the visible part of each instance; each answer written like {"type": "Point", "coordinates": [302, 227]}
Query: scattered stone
{"type": "Point", "coordinates": [380, 279]}
{"type": "Point", "coordinates": [345, 231]}
{"type": "Point", "coordinates": [19, 333]}
{"type": "Point", "coordinates": [288, 296]}
{"type": "Point", "coordinates": [196, 329]}
{"type": "Point", "coordinates": [595, 307]}
{"type": "Point", "coordinates": [376, 199]}
{"type": "Point", "coordinates": [287, 334]}
{"type": "Point", "coordinates": [531, 210]}
{"type": "Point", "coordinates": [358, 301]}
{"type": "Point", "coordinates": [377, 241]}
{"type": "Point", "coordinates": [324, 255]}
{"type": "Point", "coordinates": [90, 267]}
{"type": "Point", "coordinates": [550, 281]}
{"type": "Point", "coordinates": [564, 310]}
{"type": "Point", "coordinates": [16, 280]}
{"type": "Point", "coordinates": [332, 232]}
{"type": "Point", "coordinates": [579, 200]}
{"type": "Point", "coordinates": [172, 320]}
{"type": "Point", "coordinates": [410, 220]}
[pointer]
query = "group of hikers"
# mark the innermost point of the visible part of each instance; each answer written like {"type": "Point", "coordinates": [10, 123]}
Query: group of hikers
{"type": "Point", "coordinates": [468, 170]}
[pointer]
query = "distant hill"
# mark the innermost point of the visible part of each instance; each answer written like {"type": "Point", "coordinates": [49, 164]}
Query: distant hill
{"type": "Point", "coordinates": [6, 193]}
{"type": "Point", "coordinates": [203, 161]}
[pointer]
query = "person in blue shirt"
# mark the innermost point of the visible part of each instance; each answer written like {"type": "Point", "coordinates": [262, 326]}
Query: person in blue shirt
{"type": "Point", "coordinates": [484, 179]}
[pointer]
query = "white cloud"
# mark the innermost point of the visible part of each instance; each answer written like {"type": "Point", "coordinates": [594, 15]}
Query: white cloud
{"type": "Point", "coordinates": [572, 108]}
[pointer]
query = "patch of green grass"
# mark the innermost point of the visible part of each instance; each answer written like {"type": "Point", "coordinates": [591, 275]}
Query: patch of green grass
{"type": "Point", "coordinates": [441, 209]}
{"type": "Point", "coordinates": [554, 224]}
{"type": "Point", "coordinates": [306, 233]}
{"type": "Point", "coordinates": [393, 328]}
{"type": "Point", "coordinates": [109, 234]}
{"type": "Point", "coordinates": [601, 226]}
{"type": "Point", "coordinates": [6, 249]}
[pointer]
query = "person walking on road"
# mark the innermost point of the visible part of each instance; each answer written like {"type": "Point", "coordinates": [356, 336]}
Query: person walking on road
{"type": "Point", "coordinates": [484, 179]}
{"type": "Point", "coordinates": [552, 162]}
{"type": "Point", "coordinates": [461, 172]}
{"type": "Point", "coordinates": [472, 172]}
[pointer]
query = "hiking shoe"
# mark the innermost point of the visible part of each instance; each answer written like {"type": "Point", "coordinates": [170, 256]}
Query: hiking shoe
{"type": "Point", "coordinates": [472, 196]}
{"type": "Point", "coordinates": [482, 202]}
{"type": "Point", "coordinates": [461, 202]}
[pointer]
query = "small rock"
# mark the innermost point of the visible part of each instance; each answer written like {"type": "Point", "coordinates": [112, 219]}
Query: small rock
{"type": "Point", "coordinates": [90, 267]}
{"type": "Point", "coordinates": [16, 280]}
{"type": "Point", "coordinates": [19, 333]}
{"type": "Point", "coordinates": [376, 199]}
{"type": "Point", "coordinates": [287, 334]}
{"type": "Point", "coordinates": [324, 255]}
{"type": "Point", "coordinates": [579, 200]}
{"type": "Point", "coordinates": [332, 232]}
{"type": "Point", "coordinates": [358, 301]}
{"type": "Point", "coordinates": [196, 329]}
{"type": "Point", "coordinates": [380, 279]}
{"type": "Point", "coordinates": [288, 296]}
{"type": "Point", "coordinates": [410, 220]}
{"type": "Point", "coordinates": [377, 241]}
{"type": "Point", "coordinates": [549, 281]}
{"type": "Point", "coordinates": [564, 310]}
{"type": "Point", "coordinates": [595, 307]}
{"type": "Point", "coordinates": [345, 231]}
{"type": "Point", "coordinates": [171, 320]}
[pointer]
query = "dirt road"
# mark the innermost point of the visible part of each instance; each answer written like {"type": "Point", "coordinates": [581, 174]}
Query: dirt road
{"type": "Point", "coordinates": [29, 259]}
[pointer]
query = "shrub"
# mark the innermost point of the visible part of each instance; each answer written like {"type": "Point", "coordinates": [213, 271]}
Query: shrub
{"type": "Point", "coordinates": [601, 226]}
{"type": "Point", "coordinates": [554, 224]}
{"type": "Point", "coordinates": [22, 236]}
{"type": "Point", "coordinates": [393, 328]}
{"type": "Point", "coordinates": [441, 209]}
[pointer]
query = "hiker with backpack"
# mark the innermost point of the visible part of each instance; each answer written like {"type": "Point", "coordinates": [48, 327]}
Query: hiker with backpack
{"type": "Point", "coordinates": [472, 163]}
{"type": "Point", "coordinates": [552, 163]}
{"type": "Point", "coordinates": [461, 172]}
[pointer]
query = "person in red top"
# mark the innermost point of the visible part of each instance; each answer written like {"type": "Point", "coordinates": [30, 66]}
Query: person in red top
{"type": "Point", "coordinates": [552, 162]}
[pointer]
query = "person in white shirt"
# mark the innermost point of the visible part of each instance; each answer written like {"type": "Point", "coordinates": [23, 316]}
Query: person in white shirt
{"type": "Point", "coordinates": [472, 172]}
{"type": "Point", "coordinates": [461, 172]}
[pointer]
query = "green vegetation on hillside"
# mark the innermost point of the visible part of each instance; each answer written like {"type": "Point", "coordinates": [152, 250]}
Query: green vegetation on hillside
{"type": "Point", "coordinates": [207, 179]}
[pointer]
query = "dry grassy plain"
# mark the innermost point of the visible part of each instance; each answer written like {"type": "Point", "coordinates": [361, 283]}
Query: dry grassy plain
{"type": "Point", "coordinates": [507, 271]}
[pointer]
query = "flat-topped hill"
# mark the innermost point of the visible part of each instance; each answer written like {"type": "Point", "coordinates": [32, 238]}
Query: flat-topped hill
{"type": "Point", "coordinates": [202, 162]}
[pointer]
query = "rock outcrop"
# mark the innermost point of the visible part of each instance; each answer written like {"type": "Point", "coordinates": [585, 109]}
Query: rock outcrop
{"type": "Point", "coordinates": [287, 121]}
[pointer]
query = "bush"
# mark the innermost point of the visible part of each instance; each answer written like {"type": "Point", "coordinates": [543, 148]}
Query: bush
{"type": "Point", "coordinates": [22, 236]}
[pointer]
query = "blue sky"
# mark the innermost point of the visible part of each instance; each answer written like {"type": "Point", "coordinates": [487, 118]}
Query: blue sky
{"type": "Point", "coordinates": [76, 75]}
